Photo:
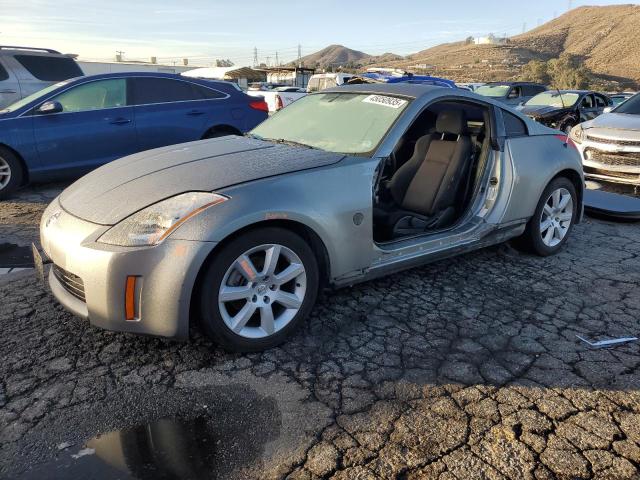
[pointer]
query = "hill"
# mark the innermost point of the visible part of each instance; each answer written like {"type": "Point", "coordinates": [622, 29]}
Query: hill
{"type": "Point", "coordinates": [606, 39]}
{"type": "Point", "coordinates": [335, 55]}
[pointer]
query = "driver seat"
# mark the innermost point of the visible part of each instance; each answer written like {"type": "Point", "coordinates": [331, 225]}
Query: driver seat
{"type": "Point", "coordinates": [426, 188]}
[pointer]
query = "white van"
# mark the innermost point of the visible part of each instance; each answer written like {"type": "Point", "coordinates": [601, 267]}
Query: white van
{"type": "Point", "coordinates": [25, 70]}
{"type": "Point", "coordinates": [320, 81]}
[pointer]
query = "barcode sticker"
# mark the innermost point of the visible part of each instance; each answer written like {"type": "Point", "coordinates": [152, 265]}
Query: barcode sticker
{"type": "Point", "coordinates": [385, 101]}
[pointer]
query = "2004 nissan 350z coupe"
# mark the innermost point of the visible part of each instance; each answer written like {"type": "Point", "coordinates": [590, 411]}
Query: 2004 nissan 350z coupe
{"type": "Point", "coordinates": [240, 233]}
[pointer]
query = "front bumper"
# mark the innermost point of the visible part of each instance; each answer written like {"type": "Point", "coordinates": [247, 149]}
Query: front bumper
{"type": "Point", "coordinates": [89, 278]}
{"type": "Point", "coordinates": [611, 160]}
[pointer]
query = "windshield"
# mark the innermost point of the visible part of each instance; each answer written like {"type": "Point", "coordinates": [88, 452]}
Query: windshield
{"type": "Point", "coordinates": [553, 99]}
{"type": "Point", "coordinates": [34, 96]}
{"type": "Point", "coordinates": [351, 123]}
{"type": "Point", "coordinates": [321, 83]}
{"type": "Point", "coordinates": [631, 106]}
{"type": "Point", "coordinates": [495, 91]}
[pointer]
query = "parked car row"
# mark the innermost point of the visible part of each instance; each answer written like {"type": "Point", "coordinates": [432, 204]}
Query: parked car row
{"type": "Point", "coordinates": [605, 128]}
{"type": "Point", "coordinates": [76, 125]}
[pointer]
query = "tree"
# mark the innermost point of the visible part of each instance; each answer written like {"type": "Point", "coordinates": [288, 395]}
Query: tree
{"type": "Point", "coordinates": [564, 72]}
{"type": "Point", "coordinates": [536, 71]}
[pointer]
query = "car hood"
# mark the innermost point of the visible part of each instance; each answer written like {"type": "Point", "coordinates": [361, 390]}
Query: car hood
{"type": "Point", "coordinates": [615, 121]}
{"type": "Point", "coordinates": [114, 191]}
{"type": "Point", "coordinates": [542, 111]}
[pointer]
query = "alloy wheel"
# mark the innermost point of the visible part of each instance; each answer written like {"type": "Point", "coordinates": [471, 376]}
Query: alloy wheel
{"type": "Point", "coordinates": [556, 217]}
{"type": "Point", "coordinates": [262, 291]}
{"type": "Point", "coordinates": [5, 173]}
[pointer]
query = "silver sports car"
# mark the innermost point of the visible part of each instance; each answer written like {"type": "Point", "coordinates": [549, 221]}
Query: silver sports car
{"type": "Point", "coordinates": [348, 184]}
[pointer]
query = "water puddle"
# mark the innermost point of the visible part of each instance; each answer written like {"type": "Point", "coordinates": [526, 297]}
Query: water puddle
{"type": "Point", "coordinates": [164, 449]}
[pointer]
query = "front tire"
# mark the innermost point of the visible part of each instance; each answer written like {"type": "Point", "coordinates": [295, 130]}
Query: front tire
{"type": "Point", "coordinates": [258, 290]}
{"type": "Point", "coordinates": [555, 215]}
{"type": "Point", "coordinates": [11, 173]}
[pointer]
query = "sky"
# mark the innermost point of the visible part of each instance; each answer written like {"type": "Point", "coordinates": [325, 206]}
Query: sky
{"type": "Point", "coordinates": [202, 30]}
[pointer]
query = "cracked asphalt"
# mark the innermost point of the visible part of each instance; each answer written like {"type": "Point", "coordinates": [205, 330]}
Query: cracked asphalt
{"type": "Point", "coordinates": [466, 368]}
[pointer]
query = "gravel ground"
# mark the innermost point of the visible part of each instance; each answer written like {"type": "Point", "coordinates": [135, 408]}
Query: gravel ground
{"type": "Point", "coordinates": [467, 368]}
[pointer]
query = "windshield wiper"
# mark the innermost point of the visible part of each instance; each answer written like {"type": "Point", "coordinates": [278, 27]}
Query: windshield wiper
{"type": "Point", "coordinates": [292, 143]}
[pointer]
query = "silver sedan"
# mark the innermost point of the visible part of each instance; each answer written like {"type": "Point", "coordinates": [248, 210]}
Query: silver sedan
{"type": "Point", "coordinates": [610, 144]}
{"type": "Point", "coordinates": [239, 234]}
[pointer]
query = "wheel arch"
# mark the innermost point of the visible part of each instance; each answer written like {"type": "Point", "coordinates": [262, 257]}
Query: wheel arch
{"type": "Point", "coordinates": [304, 231]}
{"type": "Point", "coordinates": [222, 128]}
{"type": "Point", "coordinates": [23, 164]}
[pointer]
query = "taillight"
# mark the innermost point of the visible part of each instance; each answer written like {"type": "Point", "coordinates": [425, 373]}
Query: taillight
{"type": "Point", "coordinates": [279, 103]}
{"type": "Point", "coordinates": [259, 105]}
{"type": "Point", "coordinates": [566, 139]}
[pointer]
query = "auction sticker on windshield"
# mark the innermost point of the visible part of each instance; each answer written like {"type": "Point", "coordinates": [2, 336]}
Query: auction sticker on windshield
{"type": "Point", "coordinates": [385, 101]}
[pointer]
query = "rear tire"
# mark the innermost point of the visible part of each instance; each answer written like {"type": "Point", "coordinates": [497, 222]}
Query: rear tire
{"type": "Point", "coordinates": [11, 173]}
{"type": "Point", "coordinates": [550, 226]}
{"type": "Point", "coordinates": [247, 301]}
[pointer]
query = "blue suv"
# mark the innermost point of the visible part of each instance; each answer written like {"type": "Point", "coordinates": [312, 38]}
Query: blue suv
{"type": "Point", "coordinates": [76, 125]}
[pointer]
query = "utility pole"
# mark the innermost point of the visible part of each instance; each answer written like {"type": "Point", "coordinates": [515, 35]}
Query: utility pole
{"type": "Point", "coordinates": [268, 61]}
{"type": "Point", "coordinates": [524, 27]}
{"type": "Point", "coordinates": [255, 56]}
{"type": "Point", "coordinates": [299, 55]}
{"type": "Point", "coordinates": [119, 55]}
{"type": "Point", "coordinates": [277, 62]}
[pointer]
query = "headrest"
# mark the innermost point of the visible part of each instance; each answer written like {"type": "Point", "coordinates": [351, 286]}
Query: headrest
{"type": "Point", "coordinates": [451, 121]}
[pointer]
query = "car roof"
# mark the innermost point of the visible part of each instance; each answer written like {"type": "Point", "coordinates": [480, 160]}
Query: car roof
{"type": "Point", "coordinates": [515, 83]}
{"type": "Point", "coordinates": [137, 74]}
{"type": "Point", "coordinates": [173, 76]}
{"type": "Point", "coordinates": [413, 90]}
{"type": "Point", "coordinates": [579, 92]}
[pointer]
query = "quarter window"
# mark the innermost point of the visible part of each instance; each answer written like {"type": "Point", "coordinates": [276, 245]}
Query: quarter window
{"type": "Point", "coordinates": [50, 69]}
{"type": "Point", "coordinates": [3, 73]}
{"type": "Point", "coordinates": [164, 90]}
{"type": "Point", "coordinates": [513, 126]}
{"type": "Point", "coordinates": [94, 96]}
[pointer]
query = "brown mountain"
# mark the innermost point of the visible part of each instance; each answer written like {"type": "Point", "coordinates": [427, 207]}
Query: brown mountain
{"type": "Point", "coordinates": [606, 39]}
{"type": "Point", "coordinates": [335, 55]}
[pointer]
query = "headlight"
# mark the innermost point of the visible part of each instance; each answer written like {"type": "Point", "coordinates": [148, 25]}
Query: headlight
{"type": "Point", "coordinates": [577, 134]}
{"type": "Point", "coordinates": [156, 222]}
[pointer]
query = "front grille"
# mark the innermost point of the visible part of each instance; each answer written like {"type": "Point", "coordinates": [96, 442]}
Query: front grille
{"type": "Point", "coordinates": [611, 141]}
{"type": "Point", "coordinates": [613, 174]}
{"type": "Point", "coordinates": [71, 283]}
{"type": "Point", "coordinates": [619, 159]}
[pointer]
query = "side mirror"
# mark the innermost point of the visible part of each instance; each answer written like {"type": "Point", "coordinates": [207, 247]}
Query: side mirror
{"type": "Point", "coordinates": [49, 107]}
{"type": "Point", "coordinates": [607, 109]}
